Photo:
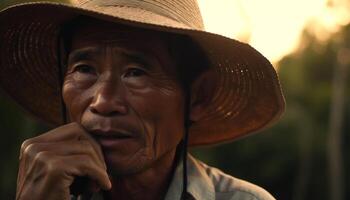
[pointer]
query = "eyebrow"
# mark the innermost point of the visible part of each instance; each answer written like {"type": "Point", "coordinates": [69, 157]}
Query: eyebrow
{"type": "Point", "coordinates": [138, 57]}
{"type": "Point", "coordinates": [82, 54]}
{"type": "Point", "coordinates": [147, 60]}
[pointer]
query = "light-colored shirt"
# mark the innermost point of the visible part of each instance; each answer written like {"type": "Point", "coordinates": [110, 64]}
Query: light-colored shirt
{"type": "Point", "coordinates": [209, 183]}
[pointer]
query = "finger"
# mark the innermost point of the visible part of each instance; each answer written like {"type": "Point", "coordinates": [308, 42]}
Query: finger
{"type": "Point", "coordinates": [64, 148]}
{"type": "Point", "coordinates": [85, 136]}
{"type": "Point", "coordinates": [67, 131]}
{"type": "Point", "coordinates": [82, 165]}
{"type": "Point", "coordinates": [53, 174]}
{"type": "Point", "coordinates": [72, 131]}
{"type": "Point", "coordinates": [84, 185]}
{"type": "Point", "coordinates": [21, 176]}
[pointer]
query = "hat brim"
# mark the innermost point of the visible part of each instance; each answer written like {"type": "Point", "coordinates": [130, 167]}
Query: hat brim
{"type": "Point", "coordinates": [247, 96]}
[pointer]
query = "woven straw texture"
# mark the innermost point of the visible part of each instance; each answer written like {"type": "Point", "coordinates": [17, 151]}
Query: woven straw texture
{"type": "Point", "coordinates": [247, 95]}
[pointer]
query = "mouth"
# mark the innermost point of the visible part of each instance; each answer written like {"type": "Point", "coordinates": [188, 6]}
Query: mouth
{"type": "Point", "coordinates": [111, 139]}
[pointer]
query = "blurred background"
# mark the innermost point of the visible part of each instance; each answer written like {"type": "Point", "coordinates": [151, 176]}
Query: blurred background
{"type": "Point", "coordinates": [304, 156]}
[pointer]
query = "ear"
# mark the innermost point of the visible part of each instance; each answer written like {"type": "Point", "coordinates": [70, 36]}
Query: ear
{"type": "Point", "coordinates": [202, 90]}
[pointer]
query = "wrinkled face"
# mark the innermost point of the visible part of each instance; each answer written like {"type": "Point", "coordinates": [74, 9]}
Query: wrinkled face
{"type": "Point", "coordinates": [121, 86]}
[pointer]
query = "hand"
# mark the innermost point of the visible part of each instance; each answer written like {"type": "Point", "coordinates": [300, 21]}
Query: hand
{"type": "Point", "coordinates": [49, 163]}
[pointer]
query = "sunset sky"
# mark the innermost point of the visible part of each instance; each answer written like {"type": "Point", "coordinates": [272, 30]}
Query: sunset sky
{"type": "Point", "coordinates": [273, 26]}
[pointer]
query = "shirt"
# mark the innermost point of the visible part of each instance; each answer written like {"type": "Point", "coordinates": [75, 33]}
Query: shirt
{"type": "Point", "coordinates": [209, 183]}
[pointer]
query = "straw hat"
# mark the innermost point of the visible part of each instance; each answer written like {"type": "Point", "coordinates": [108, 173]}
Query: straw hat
{"type": "Point", "coordinates": [247, 95]}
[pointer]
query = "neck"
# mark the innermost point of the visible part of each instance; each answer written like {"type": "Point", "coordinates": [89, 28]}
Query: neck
{"type": "Point", "coordinates": [148, 184]}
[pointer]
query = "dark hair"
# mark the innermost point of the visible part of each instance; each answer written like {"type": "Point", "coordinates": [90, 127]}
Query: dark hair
{"type": "Point", "coordinates": [189, 58]}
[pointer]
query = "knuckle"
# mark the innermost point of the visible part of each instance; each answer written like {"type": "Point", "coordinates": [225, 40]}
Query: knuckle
{"type": "Point", "coordinates": [53, 167]}
{"type": "Point", "coordinates": [48, 163]}
{"type": "Point", "coordinates": [30, 150]}
{"type": "Point", "coordinates": [42, 158]}
{"type": "Point", "coordinates": [26, 143]}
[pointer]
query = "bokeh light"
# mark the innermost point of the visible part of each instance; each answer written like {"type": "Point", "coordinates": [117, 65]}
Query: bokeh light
{"type": "Point", "coordinates": [273, 27]}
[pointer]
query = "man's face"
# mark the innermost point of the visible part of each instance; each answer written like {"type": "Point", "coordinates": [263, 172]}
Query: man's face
{"type": "Point", "coordinates": [121, 86]}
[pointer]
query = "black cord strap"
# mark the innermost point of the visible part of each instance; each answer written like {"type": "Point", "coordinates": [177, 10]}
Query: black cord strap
{"type": "Point", "coordinates": [185, 140]}
{"type": "Point", "coordinates": [61, 67]}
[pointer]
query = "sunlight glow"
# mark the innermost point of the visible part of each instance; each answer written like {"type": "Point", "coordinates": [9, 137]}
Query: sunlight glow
{"type": "Point", "coordinates": [273, 27]}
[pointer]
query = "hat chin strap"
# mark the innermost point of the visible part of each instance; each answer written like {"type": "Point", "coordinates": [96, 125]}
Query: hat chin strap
{"type": "Point", "coordinates": [61, 56]}
{"type": "Point", "coordinates": [185, 140]}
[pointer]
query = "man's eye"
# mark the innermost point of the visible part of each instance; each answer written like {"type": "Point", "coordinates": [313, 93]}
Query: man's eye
{"type": "Point", "coordinates": [134, 72]}
{"type": "Point", "coordinates": [85, 69]}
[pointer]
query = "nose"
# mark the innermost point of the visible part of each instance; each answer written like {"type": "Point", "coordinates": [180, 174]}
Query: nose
{"type": "Point", "coordinates": [108, 100]}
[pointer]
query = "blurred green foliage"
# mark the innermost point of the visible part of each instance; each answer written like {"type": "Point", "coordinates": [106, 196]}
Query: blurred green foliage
{"type": "Point", "coordinates": [15, 128]}
{"type": "Point", "coordinates": [289, 159]}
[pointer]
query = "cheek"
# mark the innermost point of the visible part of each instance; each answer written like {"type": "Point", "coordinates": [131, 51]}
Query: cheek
{"type": "Point", "coordinates": [170, 123]}
{"type": "Point", "coordinates": [76, 99]}
{"type": "Point", "coordinates": [160, 107]}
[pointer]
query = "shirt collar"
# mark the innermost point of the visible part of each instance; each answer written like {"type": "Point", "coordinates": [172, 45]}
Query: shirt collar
{"type": "Point", "coordinates": [199, 184]}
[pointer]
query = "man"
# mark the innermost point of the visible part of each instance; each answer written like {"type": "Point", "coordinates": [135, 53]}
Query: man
{"type": "Point", "coordinates": [129, 85]}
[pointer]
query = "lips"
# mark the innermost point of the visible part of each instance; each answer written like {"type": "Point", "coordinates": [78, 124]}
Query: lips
{"type": "Point", "coordinates": [111, 139]}
{"type": "Point", "coordinates": [110, 133]}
